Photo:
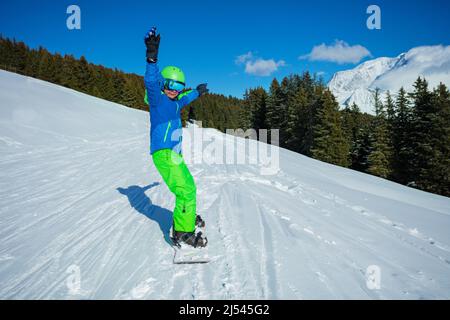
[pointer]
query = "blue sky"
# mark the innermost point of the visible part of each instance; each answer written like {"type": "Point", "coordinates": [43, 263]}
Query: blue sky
{"type": "Point", "coordinates": [205, 38]}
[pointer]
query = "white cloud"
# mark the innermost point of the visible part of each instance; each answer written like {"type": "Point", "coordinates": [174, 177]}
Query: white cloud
{"type": "Point", "coordinates": [431, 62]}
{"type": "Point", "coordinates": [244, 58]}
{"type": "Point", "coordinates": [340, 52]}
{"type": "Point", "coordinates": [258, 66]}
{"type": "Point", "coordinates": [263, 68]}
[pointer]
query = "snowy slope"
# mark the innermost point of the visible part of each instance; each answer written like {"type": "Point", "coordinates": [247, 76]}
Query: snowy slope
{"type": "Point", "coordinates": [79, 196]}
{"type": "Point", "coordinates": [358, 84]}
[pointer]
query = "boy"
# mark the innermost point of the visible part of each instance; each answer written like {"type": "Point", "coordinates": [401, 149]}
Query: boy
{"type": "Point", "coordinates": [166, 97]}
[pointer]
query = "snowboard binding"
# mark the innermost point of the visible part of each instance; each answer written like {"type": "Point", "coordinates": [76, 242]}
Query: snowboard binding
{"type": "Point", "coordinates": [190, 247]}
{"type": "Point", "coordinates": [195, 240]}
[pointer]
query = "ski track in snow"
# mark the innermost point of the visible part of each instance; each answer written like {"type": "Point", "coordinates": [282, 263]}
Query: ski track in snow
{"type": "Point", "coordinates": [96, 202]}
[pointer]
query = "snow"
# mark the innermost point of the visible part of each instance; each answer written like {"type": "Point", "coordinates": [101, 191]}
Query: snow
{"type": "Point", "coordinates": [358, 84]}
{"type": "Point", "coordinates": [85, 215]}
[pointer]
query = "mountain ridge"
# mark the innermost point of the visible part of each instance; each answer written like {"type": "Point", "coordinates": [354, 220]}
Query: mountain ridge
{"type": "Point", "coordinates": [357, 85]}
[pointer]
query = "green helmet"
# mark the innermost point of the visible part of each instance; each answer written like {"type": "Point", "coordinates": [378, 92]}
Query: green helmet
{"type": "Point", "coordinates": [173, 73]}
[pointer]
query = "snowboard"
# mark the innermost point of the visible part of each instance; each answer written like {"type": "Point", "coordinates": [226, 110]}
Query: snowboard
{"type": "Point", "coordinates": [186, 254]}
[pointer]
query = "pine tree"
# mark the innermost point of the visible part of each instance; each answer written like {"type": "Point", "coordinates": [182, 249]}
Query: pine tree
{"type": "Point", "coordinates": [247, 112]}
{"type": "Point", "coordinates": [45, 70]}
{"type": "Point", "coordinates": [430, 127]}
{"type": "Point", "coordinates": [295, 126]}
{"type": "Point", "coordinates": [423, 127]}
{"type": "Point", "coordinates": [440, 175]}
{"type": "Point", "coordinates": [330, 144]}
{"type": "Point", "coordinates": [380, 157]}
{"type": "Point", "coordinates": [7, 54]}
{"type": "Point", "coordinates": [276, 109]}
{"type": "Point", "coordinates": [363, 147]}
{"type": "Point", "coordinates": [129, 96]}
{"type": "Point", "coordinates": [308, 114]}
{"type": "Point", "coordinates": [401, 139]}
{"type": "Point", "coordinates": [84, 75]}
{"type": "Point", "coordinates": [57, 65]}
{"type": "Point", "coordinates": [390, 109]}
{"type": "Point", "coordinates": [32, 64]}
{"type": "Point", "coordinates": [20, 54]}
{"type": "Point", "coordinates": [259, 120]}
{"type": "Point", "coordinates": [69, 78]}
{"type": "Point", "coordinates": [357, 131]}
{"type": "Point", "coordinates": [389, 122]}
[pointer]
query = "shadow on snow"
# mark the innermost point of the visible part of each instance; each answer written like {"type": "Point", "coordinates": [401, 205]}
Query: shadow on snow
{"type": "Point", "coordinates": [142, 204]}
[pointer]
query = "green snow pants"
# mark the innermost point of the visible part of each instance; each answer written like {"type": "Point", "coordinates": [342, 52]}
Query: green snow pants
{"type": "Point", "coordinates": [176, 175]}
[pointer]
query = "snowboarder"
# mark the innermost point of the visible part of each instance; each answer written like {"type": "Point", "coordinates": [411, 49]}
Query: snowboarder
{"type": "Point", "coordinates": [166, 96]}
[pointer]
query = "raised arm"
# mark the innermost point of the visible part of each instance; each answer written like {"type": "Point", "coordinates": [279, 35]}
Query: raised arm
{"type": "Point", "coordinates": [152, 78]}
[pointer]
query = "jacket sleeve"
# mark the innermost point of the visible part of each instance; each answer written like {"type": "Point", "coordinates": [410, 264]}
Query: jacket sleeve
{"type": "Point", "coordinates": [153, 80]}
{"type": "Point", "coordinates": [188, 97]}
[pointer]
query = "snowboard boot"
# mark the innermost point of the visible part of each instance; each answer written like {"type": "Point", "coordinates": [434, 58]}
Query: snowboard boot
{"type": "Point", "coordinates": [190, 238]}
{"type": "Point", "coordinates": [199, 222]}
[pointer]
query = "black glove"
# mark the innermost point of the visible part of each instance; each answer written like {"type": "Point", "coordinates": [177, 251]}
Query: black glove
{"type": "Point", "coordinates": [201, 88]}
{"type": "Point", "coordinates": [152, 44]}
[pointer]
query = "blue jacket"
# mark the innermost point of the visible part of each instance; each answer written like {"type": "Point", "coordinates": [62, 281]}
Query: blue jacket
{"type": "Point", "coordinates": [165, 114]}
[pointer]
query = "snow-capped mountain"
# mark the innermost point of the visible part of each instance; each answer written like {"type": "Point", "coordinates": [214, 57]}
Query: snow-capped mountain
{"type": "Point", "coordinates": [84, 214]}
{"type": "Point", "coordinates": [358, 84]}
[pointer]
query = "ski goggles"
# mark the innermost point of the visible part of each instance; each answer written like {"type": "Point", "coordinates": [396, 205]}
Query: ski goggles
{"type": "Point", "coordinates": [173, 85]}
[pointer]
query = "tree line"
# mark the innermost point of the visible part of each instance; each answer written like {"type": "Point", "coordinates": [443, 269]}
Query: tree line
{"type": "Point", "coordinates": [78, 74]}
{"type": "Point", "coordinates": [407, 141]}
